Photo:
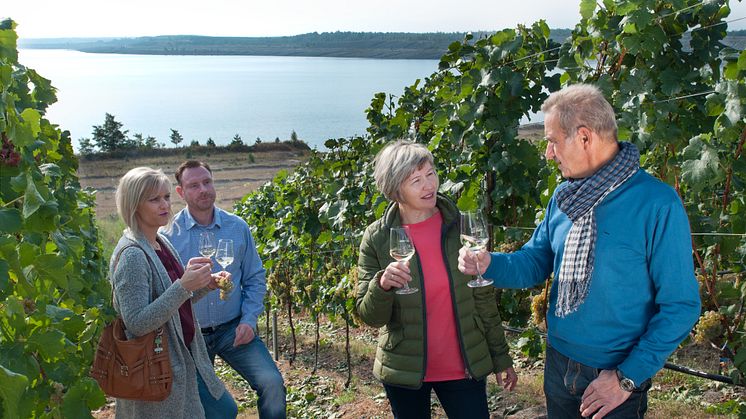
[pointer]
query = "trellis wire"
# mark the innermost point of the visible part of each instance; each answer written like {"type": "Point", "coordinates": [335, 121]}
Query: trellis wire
{"type": "Point", "coordinates": [667, 365]}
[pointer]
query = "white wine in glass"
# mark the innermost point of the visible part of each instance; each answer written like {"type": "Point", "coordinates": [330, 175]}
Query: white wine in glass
{"type": "Point", "coordinates": [402, 250]}
{"type": "Point", "coordinates": [224, 255]}
{"type": "Point", "coordinates": [207, 244]}
{"type": "Point", "coordinates": [474, 236]}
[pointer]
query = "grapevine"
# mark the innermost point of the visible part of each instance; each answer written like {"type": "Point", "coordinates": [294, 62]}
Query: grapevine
{"type": "Point", "coordinates": [54, 298]}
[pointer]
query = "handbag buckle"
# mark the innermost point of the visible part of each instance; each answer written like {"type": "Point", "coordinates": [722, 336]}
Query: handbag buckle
{"type": "Point", "coordinates": [123, 370]}
{"type": "Point", "coordinates": [158, 342]}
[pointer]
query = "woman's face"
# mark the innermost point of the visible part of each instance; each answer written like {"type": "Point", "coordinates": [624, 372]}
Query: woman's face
{"type": "Point", "coordinates": [155, 209]}
{"type": "Point", "coordinates": [419, 191]}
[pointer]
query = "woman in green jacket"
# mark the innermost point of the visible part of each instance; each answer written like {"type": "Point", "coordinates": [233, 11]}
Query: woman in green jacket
{"type": "Point", "coordinates": [447, 337]}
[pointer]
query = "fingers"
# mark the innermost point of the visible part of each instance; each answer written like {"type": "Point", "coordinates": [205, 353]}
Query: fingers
{"type": "Point", "coordinates": [466, 261]}
{"type": "Point", "coordinates": [395, 276]}
{"type": "Point", "coordinates": [199, 261]}
{"type": "Point", "coordinates": [196, 277]}
{"type": "Point", "coordinates": [511, 379]}
{"type": "Point", "coordinates": [244, 334]}
{"type": "Point", "coordinates": [602, 395]}
{"type": "Point", "coordinates": [507, 379]}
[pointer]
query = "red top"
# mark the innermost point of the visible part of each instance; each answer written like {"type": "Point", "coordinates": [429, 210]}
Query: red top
{"type": "Point", "coordinates": [444, 359]}
{"type": "Point", "coordinates": [175, 271]}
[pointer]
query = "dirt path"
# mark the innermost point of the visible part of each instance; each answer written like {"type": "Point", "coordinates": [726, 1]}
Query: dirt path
{"type": "Point", "coordinates": [234, 173]}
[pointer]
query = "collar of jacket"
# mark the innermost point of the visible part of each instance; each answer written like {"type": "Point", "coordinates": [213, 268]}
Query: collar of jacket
{"type": "Point", "coordinates": [447, 207]}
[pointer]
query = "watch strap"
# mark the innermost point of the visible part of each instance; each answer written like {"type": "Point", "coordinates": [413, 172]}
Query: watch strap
{"type": "Point", "coordinates": [625, 383]}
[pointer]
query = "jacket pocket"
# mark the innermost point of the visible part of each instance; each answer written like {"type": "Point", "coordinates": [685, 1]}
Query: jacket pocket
{"type": "Point", "coordinates": [390, 338]}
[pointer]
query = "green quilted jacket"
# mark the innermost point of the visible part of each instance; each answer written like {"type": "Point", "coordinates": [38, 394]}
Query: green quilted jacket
{"type": "Point", "coordinates": [400, 355]}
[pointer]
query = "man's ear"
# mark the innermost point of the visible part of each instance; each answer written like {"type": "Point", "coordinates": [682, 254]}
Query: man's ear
{"type": "Point", "coordinates": [585, 136]}
{"type": "Point", "coordinates": [180, 191]}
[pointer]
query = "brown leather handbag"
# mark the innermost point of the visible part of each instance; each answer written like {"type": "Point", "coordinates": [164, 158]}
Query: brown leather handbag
{"type": "Point", "coordinates": [137, 369]}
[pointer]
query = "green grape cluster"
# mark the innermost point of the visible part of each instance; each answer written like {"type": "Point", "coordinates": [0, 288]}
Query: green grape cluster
{"type": "Point", "coordinates": [226, 286]}
{"type": "Point", "coordinates": [509, 246]}
{"type": "Point", "coordinates": [539, 309]}
{"type": "Point", "coordinates": [708, 327]}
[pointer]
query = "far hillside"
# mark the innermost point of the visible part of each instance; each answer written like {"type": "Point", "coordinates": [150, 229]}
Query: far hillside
{"type": "Point", "coordinates": [328, 44]}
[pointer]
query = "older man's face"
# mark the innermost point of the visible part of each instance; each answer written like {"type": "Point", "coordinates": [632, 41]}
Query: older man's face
{"type": "Point", "coordinates": [570, 153]}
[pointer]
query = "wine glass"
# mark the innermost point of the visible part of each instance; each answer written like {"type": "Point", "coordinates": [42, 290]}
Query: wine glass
{"type": "Point", "coordinates": [474, 236]}
{"type": "Point", "coordinates": [224, 255]}
{"type": "Point", "coordinates": [401, 249]}
{"type": "Point", "coordinates": [207, 243]}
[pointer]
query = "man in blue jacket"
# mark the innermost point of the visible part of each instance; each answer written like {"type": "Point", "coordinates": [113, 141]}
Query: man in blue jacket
{"type": "Point", "coordinates": [624, 293]}
{"type": "Point", "coordinates": [228, 326]}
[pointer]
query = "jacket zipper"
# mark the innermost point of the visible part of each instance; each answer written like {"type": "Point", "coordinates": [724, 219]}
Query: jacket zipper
{"type": "Point", "coordinates": [444, 250]}
{"type": "Point", "coordinates": [424, 320]}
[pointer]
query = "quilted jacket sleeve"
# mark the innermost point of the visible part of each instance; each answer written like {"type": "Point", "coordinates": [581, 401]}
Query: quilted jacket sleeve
{"type": "Point", "coordinates": [486, 306]}
{"type": "Point", "coordinates": [373, 304]}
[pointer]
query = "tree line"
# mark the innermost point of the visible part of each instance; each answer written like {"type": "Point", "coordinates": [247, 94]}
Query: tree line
{"type": "Point", "coordinates": [110, 140]}
{"type": "Point", "coordinates": [389, 45]}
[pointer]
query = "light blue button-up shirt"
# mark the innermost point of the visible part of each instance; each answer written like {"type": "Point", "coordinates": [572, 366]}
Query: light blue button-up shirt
{"type": "Point", "coordinates": [249, 283]}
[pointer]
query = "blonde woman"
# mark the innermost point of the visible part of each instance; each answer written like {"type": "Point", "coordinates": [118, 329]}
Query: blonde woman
{"type": "Point", "coordinates": [447, 337]}
{"type": "Point", "coordinates": [153, 289]}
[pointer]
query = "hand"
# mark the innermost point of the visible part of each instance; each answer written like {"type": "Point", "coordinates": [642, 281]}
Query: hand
{"type": "Point", "coordinates": [603, 395]}
{"type": "Point", "coordinates": [467, 261]}
{"type": "Point", "coordinates": [196, 276]}
{"type": "Point", "coordinates": [199, 261]}
{"type": "Point", "coordinates": [507, 379]}
{"type": "Point", "coordinates": [213, 285]}
{"type": "Point", "coordinates": [395, 276]}
{"type": "Point", "coordinates": [244, 334]}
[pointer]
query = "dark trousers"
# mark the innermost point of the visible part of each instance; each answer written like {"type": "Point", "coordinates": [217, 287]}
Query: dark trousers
{"type": "Point", "coordinates": [565, 381]}
{"type": "Point", "coordinates": [465, 398]}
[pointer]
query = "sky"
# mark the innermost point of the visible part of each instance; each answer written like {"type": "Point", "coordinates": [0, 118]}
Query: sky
{"type": "Point", "coordinates": [119, 18]}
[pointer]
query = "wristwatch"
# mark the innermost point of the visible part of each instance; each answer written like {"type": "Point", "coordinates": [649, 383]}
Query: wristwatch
{"type": "Point", "coordinates": [625, 383]}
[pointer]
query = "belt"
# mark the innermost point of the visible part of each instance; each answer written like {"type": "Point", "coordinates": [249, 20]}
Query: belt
{"type": "Point", "coordinates": [208, 330]}
{"type": "Point", "coordinates": [213, 329]}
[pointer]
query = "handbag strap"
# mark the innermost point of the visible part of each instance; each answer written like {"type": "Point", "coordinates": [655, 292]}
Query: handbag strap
{"type": "Point", "coordinates": [150, 262]}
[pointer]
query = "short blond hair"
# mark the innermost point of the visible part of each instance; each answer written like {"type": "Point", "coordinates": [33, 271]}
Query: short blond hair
{"type": "Point", "coordinates": [395, 163]}
{"type": "Point", "coordinates": [133, 188]}
{"type": "Point", "coordinates": [582, 105]}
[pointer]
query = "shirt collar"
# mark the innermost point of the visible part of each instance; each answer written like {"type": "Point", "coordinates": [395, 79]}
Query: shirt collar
{"type": "Point", "coordinates": [190, 222]}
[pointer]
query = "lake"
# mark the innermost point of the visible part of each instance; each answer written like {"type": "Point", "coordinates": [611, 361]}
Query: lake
{"type": "Point", "coordinates": [219, 96]}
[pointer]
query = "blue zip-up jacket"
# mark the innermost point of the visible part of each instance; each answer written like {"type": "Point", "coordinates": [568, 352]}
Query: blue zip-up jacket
{"type": "Point", "coordinates": [643, 298]}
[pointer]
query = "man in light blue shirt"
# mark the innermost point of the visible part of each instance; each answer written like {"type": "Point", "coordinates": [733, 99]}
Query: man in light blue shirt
{"type": "Point", "coordinates": [228, 326]}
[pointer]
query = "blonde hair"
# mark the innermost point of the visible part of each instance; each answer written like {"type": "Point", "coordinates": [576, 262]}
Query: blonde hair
{"type": "Point", "coordinates": [133, 189]}
{"type": "Point", "coordinates": [395, 163]}
{"type": "Point", "coordinates": [582, 105]}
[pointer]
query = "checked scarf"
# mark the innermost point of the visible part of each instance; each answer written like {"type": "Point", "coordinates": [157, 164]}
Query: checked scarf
{"type": "Point", "coordinates": [578, 201]}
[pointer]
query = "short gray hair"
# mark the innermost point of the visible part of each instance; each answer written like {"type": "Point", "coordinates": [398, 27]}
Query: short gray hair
{"type": "Point", "coordinates": [582, 105]}
{"type": "Point", "coordinates": [395, 163]}
{"type": "Point", "coordinates": [133, 188]}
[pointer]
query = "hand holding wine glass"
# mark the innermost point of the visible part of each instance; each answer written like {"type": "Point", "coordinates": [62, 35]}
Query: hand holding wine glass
{"type": "Point", "coordinates": [401, 249]}
{"type": "Point", "coordinates": [474, 236]}
{"type": "Point", "coordinates": [224, 257]}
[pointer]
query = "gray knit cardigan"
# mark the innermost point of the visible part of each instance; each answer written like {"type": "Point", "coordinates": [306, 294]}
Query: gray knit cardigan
{"type": "Point", "coordinates": [131, 279]}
